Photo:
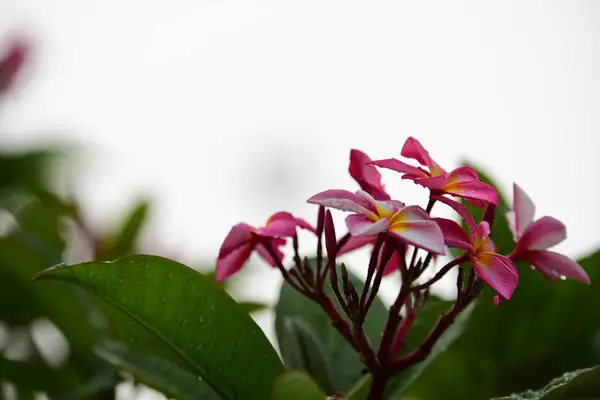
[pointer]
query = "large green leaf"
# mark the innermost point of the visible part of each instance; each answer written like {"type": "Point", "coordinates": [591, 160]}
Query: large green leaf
{"type": "Point", "coordinates": [296, 385]}
{"type": "Point", "coordinates": [565, 387]}
{"type": "Point", "coordinates": [345, 369]}
{"type": "Point", "coordinates": [546, 328]}
{"type": "Point", "coordinates": [157, 373]}
{"type": "Point", "coordinates": [161, 308]}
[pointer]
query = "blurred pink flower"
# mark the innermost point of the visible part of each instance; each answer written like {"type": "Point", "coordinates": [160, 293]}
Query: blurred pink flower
{"type": "Point", "coordinates": [533, 238]}
{"type": "Point", "coordinates": [462, 182]}
{"type": "Point", "coordinates": [11, 63]}
{"type": "Point", "coordinates": [366, 175]}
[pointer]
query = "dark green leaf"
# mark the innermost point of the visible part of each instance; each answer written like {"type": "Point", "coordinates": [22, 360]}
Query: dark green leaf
{"type": "Point", "coordinates": [161, 308]}
{"type": "Point", "coordinates": [303, 350]}
{"type": "Point", "coordinates": [159, 374]}
{"type": "Point", "coordinates": [296, 385]}
{"type": "Point", "coordinates": [345, 369]}
{"type": "Point", "coordinates": [560, 388]}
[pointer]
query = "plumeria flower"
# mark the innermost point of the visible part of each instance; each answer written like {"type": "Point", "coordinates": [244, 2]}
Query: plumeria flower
{"type": "Point", "coordinates": [243, 239]}
{"type": "Point", "coordinates": [533, 238]}
{"type": "Point", "coordinates": [497, 271]}
{"type": "Point", "coordinates": [369, 180]}
{"type": "Point", "coordinates": [366, 175]}
{"type": "Point", "coordinates": [411, 224]}
{"type": "Point", "coordinates": [462, 182]}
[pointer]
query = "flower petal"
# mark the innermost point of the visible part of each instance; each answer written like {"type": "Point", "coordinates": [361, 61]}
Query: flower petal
{"type": "Point", "coordinates": [436, 182]}
{"type": "Point", "coordinates": [454, 235]}
{"type": "Point", "coordinates": [359, 225]}
{"type": "Point", "coordinates": [356, 242]}
{"type": "Point", "coordinates": [262, 251]}
{"type": "Point", "coordinates": [463, 212]}
{"type": "Point", "coordinates": [542, 234]}
{"type": "Point", "coordinates": [413, 149]}
{"type": "Point", "coordinates": [343, 200]}
{"type": "Point", "coordinates": [463, 182]}
{"type": "Point", "coordinates": [366, 175]}
{"type": "Point", "coordinates": [280, 224]}
{"type": "Point", "coordinates": [511, 219]}
{"type": "Point", "coordinates": [233, 261]}
{"type": "Point", "coordinates": [239, 235]}
{"type": "Point", "coordinates": [498, 272]}
{"type": "Point", "coordinates": [524, 209]}
{"type": "Point", "coordinates": [399, 166]}
{"type": "Point", "coordinates": [413, 226]}
{"type": "Point", "coordinates": [555, 264]}
{"type": "Point", "coordinates": [305, 225]}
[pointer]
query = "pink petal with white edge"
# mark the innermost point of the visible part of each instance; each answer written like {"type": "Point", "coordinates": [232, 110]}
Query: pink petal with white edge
{"type": "Point", "coordinates": [511, 219]}
{"type": "Point", "coordinates": [343, 200]}
{"type": "Point", "coordinates": [239, 235]}
{"type": "Point", "coordinates": [498, 272]}
{"type": "Point", "coordinates": [474, 190]}
{"type": "Point", "coordinates": [262, 251]}
{"type": "Point", "coordinates": [359, 225]}
{"type": "Point", "coordinates": [399, 166]}
{"type": "Point", "coordinates": [524, 209]}
{"type": "Point", "coordinates": [366, 175]}
{"type": "Point", "coordinates": [556, 264]}
{"type": "Point", "coordinates": [281, 224]}
{"type": "Point", "coordinates": [463, 212]}
{"type": "Point", "coordinates": [542, 234]}
{"type": "Point", "coordinates": [305, 225]}
{"type": "Point", "coordinates": [232, 262]}
{"type": "Point", "coordinates": [454, 235]}
{"type": "Point", "coordinates": [356, 242]}
{"type": "Point", "coordinates": [423, 234]}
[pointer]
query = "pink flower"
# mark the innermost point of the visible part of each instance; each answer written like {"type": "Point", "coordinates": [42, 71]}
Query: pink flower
{"type": "Point", "coordinates": [366, 175]}
{"type": "Point", "coordinates": [496, 270]}
{"type": "Point", "coordinates": [243, 239]}
{"type": "Point", "coordinates": [10, 64]}
{"type": "Point", "coordinates": [461, 182]}
{"type": "Point", "coordinates": [534, 237]}
{"type": "Point", "coordinates": [410, 224]}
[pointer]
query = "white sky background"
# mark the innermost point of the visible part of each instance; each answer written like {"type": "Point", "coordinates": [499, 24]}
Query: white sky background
{"type": "Point", "coordinates": [227, 111]}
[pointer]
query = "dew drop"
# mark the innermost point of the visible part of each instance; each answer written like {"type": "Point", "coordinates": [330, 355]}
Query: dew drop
{"type": "Point", "coordinates": [212, 308]}
{"type": "Point", "coordinates": [199, 378]}
{"type": "Point", "coordinates": [562, 277]}
{"type": "Point", "coordinates": [120, 280]}
{"type": "Point", "coordinates": [240, 344]}
{"type": "Point", "coordinates": [199, 347]}
{"type": "Point", "coordinates": [185, 321]}
{"type": "Point", "coordinates": [164, 299]}
{"type": "Point", "coordinates": [194, 287]}
{"type": "Point", "coordinates": [170, 275]}
{"type": "Point", "coordinates": [201, 319]}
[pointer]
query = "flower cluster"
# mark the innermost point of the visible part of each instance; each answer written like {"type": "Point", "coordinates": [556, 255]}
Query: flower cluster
{"type": "Point", "coordinates": [374, 214]}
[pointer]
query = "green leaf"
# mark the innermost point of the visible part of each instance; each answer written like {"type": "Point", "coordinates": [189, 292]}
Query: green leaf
{"type": "Point", "coordinates": [560, 388]}
{"type": "Point", "coordinates": [250, 307]}
{"type": "Point", "coordinates": [35, 375]}
{"type": "Point", "coordinates": [296, 385]}
{"type": "Point", "coordinates": [303, 350]}
{"type": "Point", "coordinates": [345, 369]}
{"type": "Point", "coordinates": [159, 374]}
{"type": "Point", "coordinates": [125, 240]}
{"type": "Point", "coordinates": [161, 308]}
